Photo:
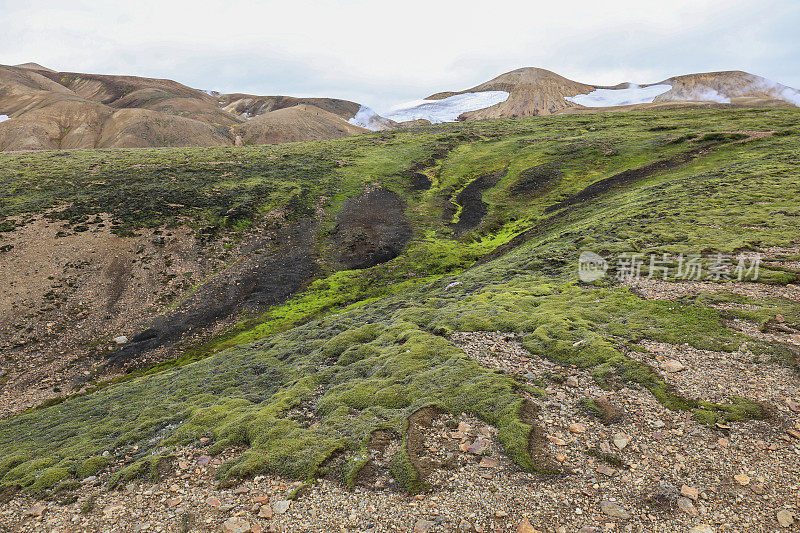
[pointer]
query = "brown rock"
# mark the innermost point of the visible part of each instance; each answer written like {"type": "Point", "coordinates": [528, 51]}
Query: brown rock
{"type": "Point", "coordinates": [672, 365]}
{"type": "Point", "coordinates": [526, 527]}
{"type": "Point", "coordinates": [576, 427]}
{"type": "Point", "coordinates": [489, 462]}
{"type": "Point", "coordinates": [265, 512]}
{"type": "Point", "coordinates": [38, 509]}
{"type": "Point", "coordinates": [786, 518]}
{"type": "Point", "coordinates": [479, 446]}
{"type": "Point", "coordinates": [606, 470]}
{"type": "Point", "coordinates": [742, 479]}
{"type": "Point", "coordinates": [174, 502]}
{"type": "Point", "coordinates": [236, 525]}
{"type": "Point", "coordinates": [686, 505]}
{"type": "Point", "coordinates": [690, 492]}
{"type": "Point", "coordinates": [213, 501]}
{"type": "Point", "coordinates": [614, 510]}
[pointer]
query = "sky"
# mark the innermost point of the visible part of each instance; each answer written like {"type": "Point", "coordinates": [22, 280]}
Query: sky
{"type": "Point", "coordinates": [380, 53]}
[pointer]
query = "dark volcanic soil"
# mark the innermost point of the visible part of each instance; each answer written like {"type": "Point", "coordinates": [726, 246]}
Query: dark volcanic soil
{"type": "Point", "coordinates": [371, 229]}
{"type": "Point", "coordinates": [473, 208]}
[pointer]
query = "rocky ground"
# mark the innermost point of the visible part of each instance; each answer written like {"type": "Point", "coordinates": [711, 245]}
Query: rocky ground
{"type": "Point", "coordinates": [639, 468]}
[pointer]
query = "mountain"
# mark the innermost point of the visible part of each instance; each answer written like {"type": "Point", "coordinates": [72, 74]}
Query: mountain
{"type": "Point", "coordinates": [44, 109]}
{"type": "Point", "coordinates": [534, 91]}
{"type": "Point", "coordinates": [300, 122]}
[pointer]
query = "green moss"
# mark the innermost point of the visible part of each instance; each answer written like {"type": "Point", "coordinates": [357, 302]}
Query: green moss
{"type": "Point", "coordinates": [363, 350]}
{"type": "Point", "coordinates": [91, 466]}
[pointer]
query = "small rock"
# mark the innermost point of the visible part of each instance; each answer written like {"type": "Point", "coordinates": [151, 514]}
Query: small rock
{"type": "Point", "coordinates": [489, 462]}
{"type": "Point", "coordinates": [614, 510]}
{"type": "Point", "coordinates": [236, 525]}
{"type": "Point", "coordinates": [672, 365]}
{"type": "Point", "coordinates": [526, 527]}
{"type": "Point", "coordinates": [702, 528]}
{"type": "Point", "coordinates": [621, 440]}
{"type": "Point", "coordinates": [423, 526]}
{"type": "Point", "coordinates": [742, 479]}
{"type": "Point", "coordinates": [38, 509]}
{"type": "Point", "coordinates": [606, 470]}
{"type": "Point", "coordinates": [203, 460]}
{"type": "Point", "coordinates": [265, 511]}
{"type": "Point", "coordinates": [174, 502]}
{"type": "Point", "coordinates": [785, 518]}
{"type": "Point", "coordinates": [686, 505]}
{"type": "Point", "coordinates": [690, 492]}
{"type": "Point", "coordinates": [479, 446]}
{"type": "Point", "coordinates": [122, 339]}
{"type": "Point", "coordinates": [281, 506]}
{"type": "Point", "coordinates": [576, 427]}
{"type": "Point", "coordinates": [213, 501]}
{"type": "Point", "coordinates": [572, 381]}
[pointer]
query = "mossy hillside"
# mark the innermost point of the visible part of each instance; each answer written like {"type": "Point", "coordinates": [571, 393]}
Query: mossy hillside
{"type": "Point", "coordinates": [375, 376]}
{"type": "Point", "coordinates": [357, 378]}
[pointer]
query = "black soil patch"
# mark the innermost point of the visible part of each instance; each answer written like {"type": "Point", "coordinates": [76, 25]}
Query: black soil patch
{"type": "Point", "coordinates": [542, 461]}
{"type": "Point", "coordinates": [266, 275]}
{"type": "Point", "coordinates": [473, 208]}
{"type": "Point", "coordinates": [419, 181]}
{"type": "Point", "coordinates": [536, 179]}
{"type": "Point", "coordinates": [625, 178]}
{"type": "Point", "coordinates": [371, 229]}
{"type": "Point", "coordinates": [415, 441]}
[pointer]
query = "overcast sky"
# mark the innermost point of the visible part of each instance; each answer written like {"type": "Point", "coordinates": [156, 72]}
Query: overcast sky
{"type": "Point", "coordinates": [380, 53]}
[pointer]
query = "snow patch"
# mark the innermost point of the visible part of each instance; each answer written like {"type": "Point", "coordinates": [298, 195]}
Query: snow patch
{"type": "Point", "coordinates": [447, 109]}
{"type": "Point", "coordinates": [632, 94]}
{"type": "Point", "coordinates": [369, 119]}
{"type": "Point", "coordinates": [3, 118]}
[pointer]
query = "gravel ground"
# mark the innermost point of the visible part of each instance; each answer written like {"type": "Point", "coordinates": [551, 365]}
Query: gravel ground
{"type": "Point", "coordinates": [625, 476]}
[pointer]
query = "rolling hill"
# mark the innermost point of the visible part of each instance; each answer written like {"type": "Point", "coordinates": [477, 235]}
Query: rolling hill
{"type": "Point", "coordinates": [395, 329]}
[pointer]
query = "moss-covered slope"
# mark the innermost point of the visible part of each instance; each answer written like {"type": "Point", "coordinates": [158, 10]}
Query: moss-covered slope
{"type": "Point", "coordinates": [365, 349]}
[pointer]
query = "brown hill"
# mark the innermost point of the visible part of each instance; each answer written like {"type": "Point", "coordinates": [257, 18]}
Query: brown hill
{"type": "Point", "coordinates": [301, 122]}
{"type": "Point", "coordinates": [248, 105]}
{"type": "Point", "coordinates": [57, 110]}
{"type": "Point", "coordinates": [736, 86]}
{"type": "Point", "coordinates": [532, 91]}
{"type": "Point", "coordinates": [535, 91]}
{"type": "Point", "coordinates": [60, 110]}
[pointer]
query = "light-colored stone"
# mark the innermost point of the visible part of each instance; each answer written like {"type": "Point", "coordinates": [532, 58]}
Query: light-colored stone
{"type": "Point", "coordinates": [236, 525]}
{"type": "Point", "coordinates": [686, 505]}
{"type": "Point", "coordinates": [702, 528]}
{"type": "Point", "coordinates": [786, 518]}
{"type": "Point", "coordinates": [122, 339]}
{"type": "Point", "coordinates": [742, 479]}
{"type": "Point", "coordinates": [281, 506]}
{"type": "Point", "coordinates": [621, 440]}
{"type": "Point", "coordinates": [423, 526]}
{"type": "Point", "coordinates": [690, 492]}
{"type": "Point", "coordinates": [614, 510]}
{"type": "Point", "coordinates": [526, 527]}
{"type": "Point", "coordinates": [577, 427]}
{"type": "Point", "coordinates": [672, 365]}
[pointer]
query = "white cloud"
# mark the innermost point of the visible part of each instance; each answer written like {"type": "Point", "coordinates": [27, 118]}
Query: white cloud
{"type": "Point", "coordinates": [379, 52]}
